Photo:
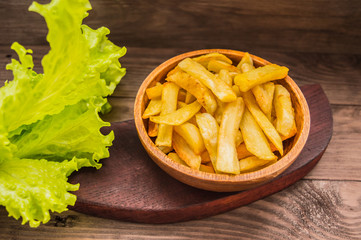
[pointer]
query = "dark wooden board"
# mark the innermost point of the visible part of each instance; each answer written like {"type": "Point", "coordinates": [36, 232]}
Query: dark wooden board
{"type": "Point", "coordinates": [131, 187]}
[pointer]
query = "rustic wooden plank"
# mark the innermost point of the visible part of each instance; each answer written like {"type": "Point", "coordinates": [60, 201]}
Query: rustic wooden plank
{"type": "Point", "coordinates": [307, 210]}
{"type": "Point", "coordinates": [342, 158]}
{"type": "Point", "coordinates": [338, 74]}
{"type": "Point", "coordinates": [307, 26]}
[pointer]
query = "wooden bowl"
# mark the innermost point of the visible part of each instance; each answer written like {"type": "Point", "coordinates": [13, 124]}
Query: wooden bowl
{"type": "Point", "coordinates": [222, 182]}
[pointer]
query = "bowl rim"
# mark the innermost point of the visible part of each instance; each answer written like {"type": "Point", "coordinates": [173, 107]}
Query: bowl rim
{"type": "Point", "coordinates": [272, 170]}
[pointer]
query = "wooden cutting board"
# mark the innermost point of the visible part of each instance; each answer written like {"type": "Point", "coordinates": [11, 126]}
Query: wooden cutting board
{"type": "Point", "coordinates": [131, 187]}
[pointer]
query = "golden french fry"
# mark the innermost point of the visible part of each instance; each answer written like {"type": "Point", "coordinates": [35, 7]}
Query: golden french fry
{"type": "Point", "coordinates": [217, 65]}
{"type": "Point", "coordinates": [189, 98]}
{"type": "Point", "coordinates": [254, 138]}
{"type": "Point", "coordinates": [264, 97]}
{"type": "Point", "coordinates": [154, 107]}
{"type": "Point", "coordinates": [185, 152]}
{"type": "Point", "coordinates": [174, 156]}
{"type": "Point", "coordinates": [263, 121]}
{"type": "Point", "coordinates": [152, 129]}
{"type": "Point", "coordinates": [205, 168]}
{"type": "Point", "coordinates": [154, 92]}
{"type": "Point", "coordinates": [251, 163]}
{"type": "Point", "coordinates": [203, 95]}
{"type": "Point", "coordinates": [227, 160]}
{"type": "Point", "coordinates": [236, 90]}
{"type": "Point", "coordinates": [181, 104]}
{"type": "Point", "coordinates": [165, 149]}
{"type": "Point", "coordinates": [285, 119]}
{"type": "Point", "coordinates": [225, 77]}
{"type": "Point", "coordinates": [219, 111]}
{"type": "Point", "coordinates": [250, 79]}
{"type": "Point", "coordinates": [179, 116]}
{"type": "Point", "coordinates": [169, 104]}
{"type": "Point", "coordinates": [204, 59]}
{"type": "Point", "coordinates": [209, 128]}
{"type": "Point", "coordinates": [217, 86]}
{"type": "Point", "coordinates": [239, 138]}
{"type": "Point", "coordinates": [246, 63]}
{"type": "Point", "coordinates": [205, 157]}
{"type": "Point", "coordinates": [192, 135]}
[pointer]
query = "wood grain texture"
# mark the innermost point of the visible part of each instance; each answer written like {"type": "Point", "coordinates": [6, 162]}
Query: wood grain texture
{"type": "Point", "coordinates": [338, 74]}
{"type": "Point", "coordinates": [306, 210]}
{"type": "Point", "coordinates": [307, 26]}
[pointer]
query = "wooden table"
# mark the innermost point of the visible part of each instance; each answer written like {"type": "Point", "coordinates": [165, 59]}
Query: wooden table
{"type": "Point", "coordinates": [319, 41]}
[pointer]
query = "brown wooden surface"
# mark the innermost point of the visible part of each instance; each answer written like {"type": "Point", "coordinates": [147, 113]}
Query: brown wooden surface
{"type": "Point", "coordinates": [318, 40]}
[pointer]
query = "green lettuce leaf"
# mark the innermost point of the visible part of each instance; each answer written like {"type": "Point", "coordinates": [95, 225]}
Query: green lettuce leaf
{"type": "Point", "coordinates": [29, 188]}
{"type": "Point", "coordinates": [72, 132]}
{"type": "Point", "coordinates": [81, 60]}
{"type": "Point", "coordinates": [49, 122]}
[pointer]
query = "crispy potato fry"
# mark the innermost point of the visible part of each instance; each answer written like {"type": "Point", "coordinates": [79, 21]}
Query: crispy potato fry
{"type": "Point", "coordinates": [254, 138]}
{"type": "Point", "coordinates": [263, 121]}
{"type": "Point", "coordinates": [247, 60]}
{"type": "Point", "coordinates": [204, 59]}
{"type": "Point", "coordinates": [174, 156]}
{"type": "Point", "coordinates": [154, 107]}
{"type": "Point", "coordinates": [219, 111]}
{"type": "Point", "coordinates": [189, 98]}
{"type": "Point", "coordinates": [205, 168]}
{"type": "Point", "coordinates": [225, 77]}
{"type": "Point", "coordinates": [152, 129]}
{"type": "Point", "coordinates": [166, 149]}
{"type": "Point", "coordinates": [264, 97]}
{"type": "Point", "coordinates": [250, 79]}
{"type": "Point", "coordinates": [169, 104]}
{"type": "Point", "coordinates": [239, 138]}
{"type": "Point", "coordinates": [236, 90]}
{"type": "Point", "coordinates": [192, 135]}
{"type": "Point", "coordinates": [217, 86]}
{"type": "Point", "coordinates": [179, 116]}
{"type": "Point", "coordinates": [285, 119]}
{"type": "Point", "coordinates": [185, 152]}
{"type": "Point", "coordinates": [209, 128]}
{"type": "Point", "coordinates": [203, 95]}
{"type": "Point", "coordinates": [181, 104]}
{"type": "Point", "coordinates": [251, 163]}
{"type": "Point", "coordinates": [154, 92]}
{"type": "Point", "coordinates": [227, 160]}
{"type": "Point", "coordinates": [217, 65]}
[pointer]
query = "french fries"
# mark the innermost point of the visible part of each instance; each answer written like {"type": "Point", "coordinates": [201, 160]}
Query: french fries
{"type": "Point", "coordinates": [247, 80]}
{"type": "Point", "coordinates": [169, 104]}
{"type": "Point", "coordinates": [220, 118]}
{"type": "Point", "coordinates": [179, 116]}
{"type": "Point", "coordinates": [192, 135]}
{"type": "Point", "coordinates": [267, 127]}
{"type": "Point", "coordinates": [203, 95]}
{"type": "Point", "coordinates": [209, 128]}
{"type": "Point", "coordinates": [217, 86]}
{"type": "Point", "coordinates": [227, 160]}
{"type": "Point", "coordinates": [285, 119]}
{"type": "Point", "coordinates": [254, 138]}
{"type": "Point", "coordinates": [185, 152]}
